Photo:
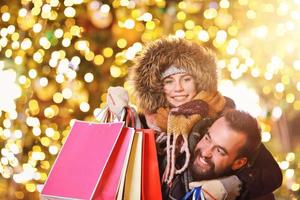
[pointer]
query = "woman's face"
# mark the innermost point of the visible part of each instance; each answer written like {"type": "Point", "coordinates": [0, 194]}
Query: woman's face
{"type": "Point", "coordinates": [179, 88]}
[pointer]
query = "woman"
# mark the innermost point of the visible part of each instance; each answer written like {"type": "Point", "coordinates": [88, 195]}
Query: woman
{"type": "Point", "coordinates": [175, 83]}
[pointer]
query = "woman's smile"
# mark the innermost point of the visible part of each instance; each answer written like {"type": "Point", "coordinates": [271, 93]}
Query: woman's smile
{"type": "Point", "coordinates": [180, 97]}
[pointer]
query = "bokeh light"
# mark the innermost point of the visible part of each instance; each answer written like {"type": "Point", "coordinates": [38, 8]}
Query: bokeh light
{"type": "Point", "coordinates": [57, 59]}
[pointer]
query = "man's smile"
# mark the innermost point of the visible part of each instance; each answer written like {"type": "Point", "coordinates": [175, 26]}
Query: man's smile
{"type": "Point", "coordinates": [202, 163]}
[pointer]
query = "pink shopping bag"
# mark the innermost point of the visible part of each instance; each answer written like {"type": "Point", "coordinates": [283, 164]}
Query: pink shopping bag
{"type": "Point", "coordinates": [81, 162]}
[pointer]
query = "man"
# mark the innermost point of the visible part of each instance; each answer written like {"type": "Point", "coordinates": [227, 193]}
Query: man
{"type": "Point", "coordinates": [227, 147]}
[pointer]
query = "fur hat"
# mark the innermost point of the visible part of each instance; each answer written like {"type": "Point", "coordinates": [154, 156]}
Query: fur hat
{"type": "Point", "coordinates": [157, 56]}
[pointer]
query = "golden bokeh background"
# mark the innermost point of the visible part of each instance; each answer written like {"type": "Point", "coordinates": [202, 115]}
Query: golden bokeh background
{"type": "Point", "coordinates": [57, 59]}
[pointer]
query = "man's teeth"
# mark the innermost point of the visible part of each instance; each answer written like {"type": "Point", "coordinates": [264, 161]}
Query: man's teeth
{"type": "Point", "coordinates": [202, 161]}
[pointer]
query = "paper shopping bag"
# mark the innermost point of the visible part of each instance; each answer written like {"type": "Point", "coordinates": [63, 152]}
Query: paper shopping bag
{"type": "Point", "coordinates": [132, 187]}
{"type": "Point", "coordinates": [110, 180]}
{"type": "Point", "coordinates": [81, 161]}
{"type": "Point", "coordinates": [140, 176]}
{"type": "Point", "coordinates": [151, 188]}
{"type": "Point", "coordinates": [120, 192]}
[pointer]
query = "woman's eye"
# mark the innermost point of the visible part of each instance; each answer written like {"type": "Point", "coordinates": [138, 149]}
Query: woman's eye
{"type": "Point", "coordinates": [168, 81]}
{"type": "Point", "coordinates": [187, 79]}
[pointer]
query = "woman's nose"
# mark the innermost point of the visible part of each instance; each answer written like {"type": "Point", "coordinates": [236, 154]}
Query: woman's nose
{"type": "Point", "coordinates": [178, 86]}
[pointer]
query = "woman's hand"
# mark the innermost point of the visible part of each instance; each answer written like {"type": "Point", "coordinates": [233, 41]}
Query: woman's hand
{"type": "Point", "coordinates": [218, 189]}
{"type": "Point", "coordinates": [117, 98]}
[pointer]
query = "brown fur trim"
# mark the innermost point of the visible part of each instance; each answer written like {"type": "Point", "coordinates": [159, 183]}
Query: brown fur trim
{"type": "Point", "coordinates": [145, 75]}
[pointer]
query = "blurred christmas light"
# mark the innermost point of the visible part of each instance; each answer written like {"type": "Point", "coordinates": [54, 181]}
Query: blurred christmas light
{"type": "Point", "coordinates": [276, 113]}
{"type": "Point", "coordinates": [248, 102]}
{"type": "Point", "coordinates": [279, 87]}
{"type": "Point", "coordinates": [36, 131]}
{"type": "Point", "coordinates": [6, 16]}
{"type": "Point", "coordinates": [58, 58]}
{"type": "Point", "coordinates": [57, 97]}
{"type": "Point", "coordinates": [84, 107]}
{"type": "Point", "coordinates": [32, 73]}
{"type": "Point", "coordinates": [284, 165]}
{"type": "Point", "coordinates": [9, 90]}
{"type": "Point", "coordinates": [53, 150]}
{"type": "Point", "coordinates": [115, 71]}
{"type": "Point", "coordinates": [58, 33]}
{"type": "Point", "coordinates": [289, 173]}
{"type": "Point", "coordinates": [70, 12]}
{"type": "Point", "coordinates": [67, 93]}
{"type": "Point", "coordinates": [129, 24]}
{"type": "Point", "coordinates": [180, 33]}
{"type": "Point", "coordinates": [265, 136]}
{"type": "Point", "coordinates": [98, 59]}
{"type": "Point", "coordinates": [26, 44]}
{"type": "Point", "coordinates": [88, 77]}
{"type": "Point", "coordinates": [43, 81]}
{"type": "Point", "coordinates": [290, 156]}
{"type": "Point", "coordinates": [295, 187]}
{"type": "Point", "coordinates": [108, 52]}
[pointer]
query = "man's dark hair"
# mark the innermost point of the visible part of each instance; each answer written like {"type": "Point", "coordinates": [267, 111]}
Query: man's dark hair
{"type": "Point", "coordinates": [245, 124]}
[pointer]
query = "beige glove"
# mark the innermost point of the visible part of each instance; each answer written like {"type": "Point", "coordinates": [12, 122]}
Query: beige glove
{"type": "Point", "coordinates": [212, 189]}
{"type": "Point", "coordinates": [117, 98]}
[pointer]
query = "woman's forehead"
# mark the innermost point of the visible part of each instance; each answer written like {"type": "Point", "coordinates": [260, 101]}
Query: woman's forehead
{"type": "Point", "coordinates": [179, 75]}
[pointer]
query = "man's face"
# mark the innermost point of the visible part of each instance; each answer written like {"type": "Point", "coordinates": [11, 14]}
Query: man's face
{"type": "Point", "coordinates": [216, 153]}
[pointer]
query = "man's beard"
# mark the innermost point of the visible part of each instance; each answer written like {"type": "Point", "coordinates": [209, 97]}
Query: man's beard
{"type": "Point", "coordinates": [210, 173]}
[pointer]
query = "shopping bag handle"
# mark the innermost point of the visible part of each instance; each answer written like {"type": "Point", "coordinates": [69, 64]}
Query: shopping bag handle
{"type": "Point", "coordinates": [130, 119]}
{"type": "Point", "coordinates": [127, 115]}
{"type": "Point", "coordinates": [105, 115]}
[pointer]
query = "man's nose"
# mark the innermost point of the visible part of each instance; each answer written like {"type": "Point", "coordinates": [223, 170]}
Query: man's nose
{"type": "Point", "coordinates": [207, 152]}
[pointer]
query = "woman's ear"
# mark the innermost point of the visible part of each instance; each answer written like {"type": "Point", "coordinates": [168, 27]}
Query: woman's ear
{"type": "Point", "coordinates": [238, 163]}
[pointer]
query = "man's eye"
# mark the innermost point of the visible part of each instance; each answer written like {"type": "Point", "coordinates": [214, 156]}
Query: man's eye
{"type": "Point", "coordinates": [220, 151]}
{"type": "Point", "coordinates": [187, 79]}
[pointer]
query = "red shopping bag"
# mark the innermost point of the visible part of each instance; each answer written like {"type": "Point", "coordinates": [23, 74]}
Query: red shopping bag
{"type": "Point", "coordinates": [80, 165]}
{"type": "Point", "coordinates": [151, 187]}
{"type": "Point", "coordinates": [150, 179]}
{"type": "Point", "coordinates": [110, 180]}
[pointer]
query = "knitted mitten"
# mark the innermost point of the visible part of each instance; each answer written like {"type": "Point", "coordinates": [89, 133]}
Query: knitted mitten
{"type": "Point", "coordinates": [117, 98]}
{"type": "Point", "coordinates": [218, 189]}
